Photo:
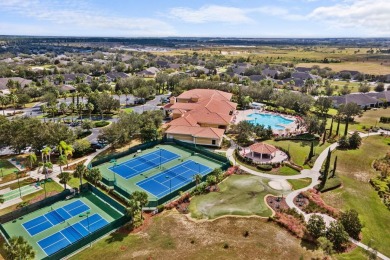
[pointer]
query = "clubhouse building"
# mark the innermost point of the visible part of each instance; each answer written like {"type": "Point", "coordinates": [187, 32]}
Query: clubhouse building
{"type": "Point", "coordinates": [200, 116]}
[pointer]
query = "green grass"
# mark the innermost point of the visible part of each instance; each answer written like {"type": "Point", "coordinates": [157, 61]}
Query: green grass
{"type": "Point", "coordinates": [6, 167]}
{"type": "Point", "coordinates": [300, 183]}
{"type": "Point", "coordinates": [354, 169]}
{"type": "Point", "coordinates": [299, 150]}
{"type": "Point", "coordinates": [127, 110]}
{"type": "Point", "coordinates": [287, 171]}
{"type": "Point", "coordinates": [239, 195]}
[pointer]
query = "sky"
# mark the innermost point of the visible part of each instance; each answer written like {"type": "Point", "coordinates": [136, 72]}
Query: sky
{"type": "Point", "coordinates": [202, 18]}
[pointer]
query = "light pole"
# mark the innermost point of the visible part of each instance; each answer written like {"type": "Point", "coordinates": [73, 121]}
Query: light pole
{"type": "Point", "coordinates": [17, 175]}
{"type": "Point", "coordinates": [160, 155]}
{"type": "Point", "coordinates": [114, 162]}
{"type": "Point", "coordinates": [86, 214]}
{"type": "Point", "coordinates": [170, 186]}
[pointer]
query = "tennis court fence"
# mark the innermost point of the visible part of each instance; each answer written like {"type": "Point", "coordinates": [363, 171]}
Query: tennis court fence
{"type": "Point", "coordinates": [89, 238]}
{"type": "Point", "coordinates": [33, 207]}
{"type": "Point", "coordinates": [125, 153]}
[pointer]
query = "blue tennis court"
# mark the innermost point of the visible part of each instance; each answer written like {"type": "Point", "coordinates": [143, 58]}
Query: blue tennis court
{"type": "Point", "coordinates": [173, 178]}
{"type": "Point", "coordinates": [143, 163]}
{"type": "Point", "coordinates": [71, 234]}
{"type": "Point", "coordinates": [54, 217]}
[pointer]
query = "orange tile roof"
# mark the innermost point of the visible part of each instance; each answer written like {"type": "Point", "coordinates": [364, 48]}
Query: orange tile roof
{"type": "Point", "coordinates": [196, 131]}
{"type": "Point", "coordinates": [184, 121]}
{"type": "Point", "coordinates": [205, 94]}
{"type": "Point", "coordinates": [204, 115]}
{"type": "Point", "coordinates": [263, 148]}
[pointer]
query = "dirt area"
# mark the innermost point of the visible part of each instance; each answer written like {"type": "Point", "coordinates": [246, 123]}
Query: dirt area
{"type": "Point", "coordinates": [171, 235]}
{"type": "Point", "coordinates": [42, 196]}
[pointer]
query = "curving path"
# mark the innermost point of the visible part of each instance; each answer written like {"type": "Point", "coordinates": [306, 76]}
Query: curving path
{"type": "Point", "coordinates": [312, 173]}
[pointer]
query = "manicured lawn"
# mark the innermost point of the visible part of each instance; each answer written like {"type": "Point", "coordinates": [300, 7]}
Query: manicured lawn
{"type": "Point", "coordinates": [299, 150]}
{"type": "Point", "coordinates": [284, 170]}
{"type": "Point", "coordinates": [354, 169]}
{"type": "Point", "coordinates": [127, 110]}
{"type": "Point", "coordinates": [6, 167]}
{"type": "Point", "coordinates": [300, 183]}
{"type": "Point", "coordinates": [238, 195]}
{"type": "Point", "coordinates": [172, 236]}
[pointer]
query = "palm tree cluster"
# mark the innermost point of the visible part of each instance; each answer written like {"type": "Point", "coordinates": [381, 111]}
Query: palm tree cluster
{"type": "Point", "coordinates": [138, 200]}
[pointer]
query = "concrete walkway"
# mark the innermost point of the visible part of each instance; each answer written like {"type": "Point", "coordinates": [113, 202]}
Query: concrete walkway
{"type": "Point", "coordinates": [314, 174]}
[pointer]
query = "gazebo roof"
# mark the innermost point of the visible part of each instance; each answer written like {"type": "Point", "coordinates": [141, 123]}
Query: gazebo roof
{"type": "Point", "coordinates": [263, 148]}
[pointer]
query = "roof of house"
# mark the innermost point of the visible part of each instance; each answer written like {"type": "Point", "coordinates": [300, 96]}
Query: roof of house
{"type": "Point", "coordinates": [257, 77]}
{"type": "Point", "coordinates": [153, 70]}
{"type": "Point", "coordinates": [22, 81]}
{"type": "Point", "coordinates": [361, 99]}
{"type": "Point", "coordinates": [196, 131]}
{"type": "Point", "coordinates": [302, 69]}
{"type": "Point", "coordinates": [302, 75]}
{"type": "Point", "coordinates": [297, 82]}
{"type": "Point", "coordinates": [380, 95]}
{"type": "Point", "coordinates": [72, 77]}
{"type": "Point", "coordinates": [115, 75]}
{"type": "Point", "coordinates": [263, 148]}
{"type": "Point", "coordinates": [270, 72]}
{"type": "Point", "coordinates": [67, 88]}
{"type": "Point", "coordinates": [146, 72]}
{"type": "Point", "coordinates": [352, 72]}
{"type": "Point", "coordinates": [205, 94]}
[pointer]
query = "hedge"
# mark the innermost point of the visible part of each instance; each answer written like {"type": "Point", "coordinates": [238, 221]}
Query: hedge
{"type": "Point", "coordinates": [264, 167]}
{"type": "Point", "coordinates": [101, 123]}
{"type": "Point", "coordinates": [384, 119]}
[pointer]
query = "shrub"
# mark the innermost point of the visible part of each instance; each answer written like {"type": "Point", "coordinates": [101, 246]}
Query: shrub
{"type": "Point", "coordinates": [316, 226]}
{"type": "Point", "coordinates": [101, 123]}
{"type": "Point", "coordinates": [316, 204]}
{"type": "Point", "coordinates": [264, 167]}
{"type": "Point", "coordinates": [81, 147]}
{"type": "Point", "coordinates": [351, 222]}
{"type": "Point", "coordinates": [292, 224]}
{"type": "Point", "coordinates": [225, 245]}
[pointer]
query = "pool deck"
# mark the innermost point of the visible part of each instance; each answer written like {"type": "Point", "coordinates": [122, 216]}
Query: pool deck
{"type": "Point", "coordinates": [288, 129]}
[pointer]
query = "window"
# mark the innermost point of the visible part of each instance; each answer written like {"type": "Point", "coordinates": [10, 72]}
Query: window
{"type": "Point", "coordinates": [213, 142]}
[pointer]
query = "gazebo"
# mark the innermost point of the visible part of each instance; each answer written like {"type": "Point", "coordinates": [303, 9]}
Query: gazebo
{"type": "Point", "coordinates": [263, 151]}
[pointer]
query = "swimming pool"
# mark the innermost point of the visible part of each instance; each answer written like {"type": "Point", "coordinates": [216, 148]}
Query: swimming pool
{"type": "Point", "coordinates": [274, 121]}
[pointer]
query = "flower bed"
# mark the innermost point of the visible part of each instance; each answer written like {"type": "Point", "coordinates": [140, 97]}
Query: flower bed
{"type": "Point", "coordinates": [317, 205]}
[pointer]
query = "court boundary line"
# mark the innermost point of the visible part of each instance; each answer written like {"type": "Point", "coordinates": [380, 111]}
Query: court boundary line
{"type": "Point", "coordinates": [180, 184]}
{"type": "Point", "coordinates": [52, 225]}
{"type": "Point", "coordinates": [154, 153]}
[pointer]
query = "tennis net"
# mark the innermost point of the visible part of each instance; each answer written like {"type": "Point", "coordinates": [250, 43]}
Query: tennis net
{"type": "Point", "coordinates": [58, 216]}
{"type": "Point", "coordinates": [77, 232]}
{"type": "Point", "coordinates": [147, 161]}
{"type": "Point", "coordinates": [178, 176]}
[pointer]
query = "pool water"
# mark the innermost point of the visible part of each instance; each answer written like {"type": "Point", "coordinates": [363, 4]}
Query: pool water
{"type": "Point", "coordinates": [274, 121]}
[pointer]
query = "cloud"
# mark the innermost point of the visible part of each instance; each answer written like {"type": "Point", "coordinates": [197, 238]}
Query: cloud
{"type": "Point", "coordinates": [372, 17]}
{"type": "Point", "coordinates": [230, 15]}
{"type": "Point", "coordinates": [211, 13]}
{"type": "Point", "coordinates": [84, 18]}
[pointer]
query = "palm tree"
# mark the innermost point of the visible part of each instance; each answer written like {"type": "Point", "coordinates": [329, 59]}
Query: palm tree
{"type": "Point", "coordinates": [43, 110]}
{"type": "Point", "coordinates": [90, 108]}
{"type": "Point", "coordinates": [46, 152]}
{"type": "Point", "coordinates": [132, 208]}
{"type": "Point", "coordinates": [63, 108]}
{"type": "Point", "coordinates": [13, 99]}
{"type": "Point", "coordinates": [126, 92]}
{"type": "Point", "coordinates": [62, 160]}
{"type": "Point", "coordinates": [80, 108]}
{"type": "Point", "coordinates": [18, 248]}
{"type": "Point", "coordinates": [94, 175]}
{"type": "Point", "coordinates": [46, 166]}
{"type": "Point", "coordinates": [4, 101]}
{"type": "Point", "coordinates": [32, 159]}
{"type": "Point", "coordinates": [197, 178]}
{"type": "Point", "coordinates": [71, 107]}
{"type": "Point", "coordinates": [80, 172]}
{"type": "Point", "coordinates": [141, 198]}
{"type": "Point", "coordinates": [64, 178]}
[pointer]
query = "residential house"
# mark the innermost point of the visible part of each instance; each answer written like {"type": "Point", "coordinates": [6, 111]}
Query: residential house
{"type": "Point", "coordinates": [149, 72]}
{"type": "Point", "coordinates": [23, 82]}
{"type": "Point", "coordinates": [270, 73]}
{"type": "Point", "coordinates": [114, 76]}
{"type": "Point", "coordinates": [363, 99]}
{"type": "Point", "coordinates": [257, 77]}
